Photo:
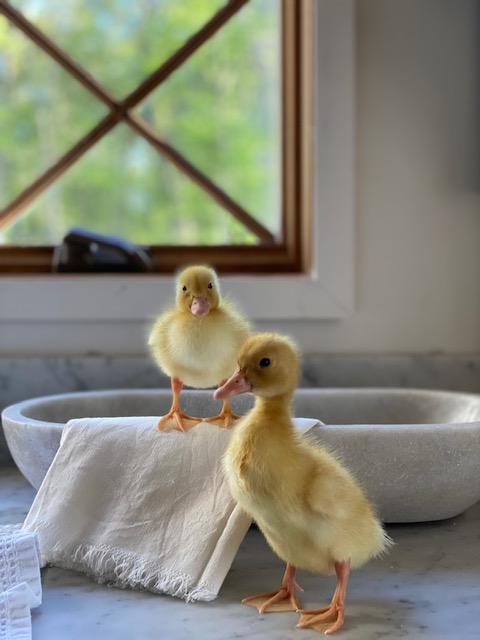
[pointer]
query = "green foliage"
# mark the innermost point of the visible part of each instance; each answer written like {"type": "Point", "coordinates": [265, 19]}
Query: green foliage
{"type": "Point", "coordinates": [220, 109]}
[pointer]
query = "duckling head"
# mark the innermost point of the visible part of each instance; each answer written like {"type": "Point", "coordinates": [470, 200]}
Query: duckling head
{"type": "Point", "coordinates": [198, 290]}
{"type": "Point", "coordinates": [268, 366]}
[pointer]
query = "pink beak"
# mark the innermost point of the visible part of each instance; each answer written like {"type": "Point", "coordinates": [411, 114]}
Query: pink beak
{"type": "Point", "coordinates": [199, 306]}
{"type": "Point", "coordinates": [234, 386]}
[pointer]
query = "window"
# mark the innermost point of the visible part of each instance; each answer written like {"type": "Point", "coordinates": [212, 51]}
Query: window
{"type": "Point", "coordinates": [183, 127]}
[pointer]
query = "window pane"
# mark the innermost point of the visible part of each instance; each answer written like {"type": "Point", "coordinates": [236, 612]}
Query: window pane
{"type": "Point", "coordinates": [221, 109]}
{"type": "Point", "coordinates": [43, 112]}
{"type": "Point", "coordinates": [123, 187]}
{"type": "Point", "coordinates": [120, 41]}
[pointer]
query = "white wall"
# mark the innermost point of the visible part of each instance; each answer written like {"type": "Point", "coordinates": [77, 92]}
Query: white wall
{"type": "Point", "coordinates": [418, 182]}
{"type": "Point", "coordinates": [417, 200]}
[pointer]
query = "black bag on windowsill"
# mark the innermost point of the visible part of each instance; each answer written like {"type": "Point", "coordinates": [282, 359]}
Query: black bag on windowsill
{"type": "Point", "coordinates": [83, 251]}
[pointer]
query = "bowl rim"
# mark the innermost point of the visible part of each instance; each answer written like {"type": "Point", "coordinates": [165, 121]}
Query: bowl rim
{"type": "Point", "coordinates": [13, 412]}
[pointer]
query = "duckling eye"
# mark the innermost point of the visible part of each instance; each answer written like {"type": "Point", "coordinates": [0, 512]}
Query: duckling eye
{"type": "Point", "coordinates": [184, 288]}
{"type": "Point", "coordinates": [264, 362]}
{"type": "Point", "coordinates": [210, 285]}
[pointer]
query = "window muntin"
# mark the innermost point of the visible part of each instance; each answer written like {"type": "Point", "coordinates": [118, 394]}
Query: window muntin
{"type": "Point", "coordinates": [276, 253]}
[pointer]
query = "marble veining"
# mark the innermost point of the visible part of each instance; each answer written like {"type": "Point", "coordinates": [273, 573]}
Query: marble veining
{"type": "Point", "coordinates": [29, 377]}
{"type": "Point", "coordinates": [427, 587]}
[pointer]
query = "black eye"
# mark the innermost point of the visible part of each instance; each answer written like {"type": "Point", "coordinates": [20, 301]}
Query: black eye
{"type": "Point", "coordinates": [210, 285]}
{"type": "Point", "coordinates": [184, 288]}
{"type": "Point", "coordinates": [264, 362]}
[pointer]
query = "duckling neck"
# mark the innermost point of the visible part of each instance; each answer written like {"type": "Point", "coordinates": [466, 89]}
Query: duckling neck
{"type": "Point", "coordinates": [263, 438]}
{"type": "Point", "coordinates": [271, 410]}
{"type": "Point", "coordinates": [282, 400]}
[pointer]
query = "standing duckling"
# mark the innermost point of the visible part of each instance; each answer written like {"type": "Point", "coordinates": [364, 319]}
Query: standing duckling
{"type": "Point", "coordinates": [196, 342]}
{"type": "Point", "coordinates": [312, 512]}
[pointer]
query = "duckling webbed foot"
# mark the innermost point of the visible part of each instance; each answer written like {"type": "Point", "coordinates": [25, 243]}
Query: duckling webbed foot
{"type": "Point", "coordinates": [330, 619]}
{"type": "Point", "coordinates": [284, 599]}
{"type": "Point", "coordinates": [325, 621]}
{"type": "Point", "coordinates": [176, 418]}
{"type": "Point", "coordinates": [226, 418]}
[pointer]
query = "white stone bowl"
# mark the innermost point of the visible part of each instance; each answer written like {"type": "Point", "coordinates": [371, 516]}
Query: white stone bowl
{"type": "Point", "coordinates": [417, 453]}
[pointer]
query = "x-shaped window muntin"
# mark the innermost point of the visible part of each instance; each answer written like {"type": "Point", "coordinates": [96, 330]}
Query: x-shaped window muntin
{"type": "Point", "coordinates": [122, 111]}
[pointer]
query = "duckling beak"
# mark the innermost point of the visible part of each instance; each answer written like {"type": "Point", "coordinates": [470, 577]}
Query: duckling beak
{"type": "Point", "coordinates": [199, 306]}
{"type": "Point", "coordinates": [234, 386]}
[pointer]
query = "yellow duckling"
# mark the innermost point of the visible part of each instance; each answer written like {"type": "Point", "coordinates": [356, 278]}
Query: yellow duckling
{"type": "Point", "coordinates": [312, 512]}
{"type": "Point", "coordinates": [196, 342]}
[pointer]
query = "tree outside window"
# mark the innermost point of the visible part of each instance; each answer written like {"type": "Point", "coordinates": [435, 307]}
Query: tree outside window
{"type": "Point", "coordinates": [180, 126]}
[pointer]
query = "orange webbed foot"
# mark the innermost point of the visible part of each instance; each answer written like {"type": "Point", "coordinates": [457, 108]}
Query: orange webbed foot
{"type": "Point", "coordinates": [177, 420]}
{"type": "Point", "coordinates": [223, 420]}
{"type": "Point", "coordinates": [327, 620]}
{"type": "Point", "coordinates": [274, 601]}
{"type": "Point", "coordinates": [330, 619]}
{"type": "Point", "coordinates": [284, 599]}
{"type": "Point", "coordinates": [226, 418]}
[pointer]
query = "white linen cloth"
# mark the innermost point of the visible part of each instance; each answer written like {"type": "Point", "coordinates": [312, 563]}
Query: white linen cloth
{"type": "Point", "coordinates": [20, 582]}
{"type": "Point", "coordinates": [139, 508]}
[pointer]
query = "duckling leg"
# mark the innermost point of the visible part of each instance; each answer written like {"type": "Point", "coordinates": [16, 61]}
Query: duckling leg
{"type": "Point", "coordinates": [320, 619]}
{"type": "Point", "coordinates": [226, 417]}
{"type": "Point", "coordinates": [284, 599]}
{"type": "Point", "coordinates": [175, 418]}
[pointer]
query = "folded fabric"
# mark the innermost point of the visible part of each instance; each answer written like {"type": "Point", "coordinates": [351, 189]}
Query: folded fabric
{"type": "Point", "coordinates": [15, 618]}
{"type": "Point", "coordinates": [20, 582]}
{"type": "Point", "coordinates": [139, 508]}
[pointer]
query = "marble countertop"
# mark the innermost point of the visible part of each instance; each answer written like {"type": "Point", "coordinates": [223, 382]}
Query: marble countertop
{"type": "Point", "coordinates": [427, 587]}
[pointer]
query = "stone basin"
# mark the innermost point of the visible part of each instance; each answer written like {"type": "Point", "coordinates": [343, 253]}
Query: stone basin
{"type": "Point", "coordinates": [416, 452]}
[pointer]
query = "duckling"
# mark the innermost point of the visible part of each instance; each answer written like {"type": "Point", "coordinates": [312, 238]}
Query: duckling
{"type": "Point", "coordinates": [195, 342]}
{"type": "Point", "coordinates": [310, 509]}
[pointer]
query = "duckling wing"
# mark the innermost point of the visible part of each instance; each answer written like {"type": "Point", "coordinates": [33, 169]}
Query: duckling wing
{"type": "Point", "coordinates": [158, 338]}
{"type": "Point", "coordinates": [351, 528]}
{"type": "Point", "coordinates": [330, 489]}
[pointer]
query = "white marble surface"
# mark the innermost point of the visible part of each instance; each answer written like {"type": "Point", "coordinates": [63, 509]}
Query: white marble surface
{"type": "Point", "coordinates": [427, 587]}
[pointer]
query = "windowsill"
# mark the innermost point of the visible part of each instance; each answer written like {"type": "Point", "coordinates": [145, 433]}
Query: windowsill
{"type": "Point", "coordinates": [327, 293]}
{"type": "Point", "coordinates": [135, 298]}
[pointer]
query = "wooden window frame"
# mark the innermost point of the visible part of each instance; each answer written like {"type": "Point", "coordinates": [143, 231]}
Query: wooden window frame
{"type": "Point", "coordinates": [293, 253]}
